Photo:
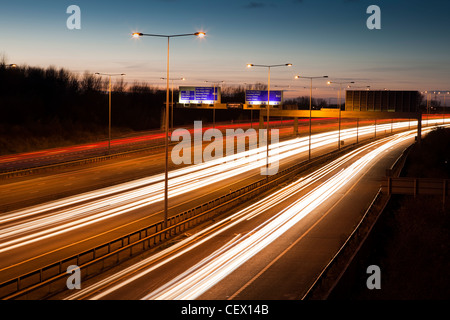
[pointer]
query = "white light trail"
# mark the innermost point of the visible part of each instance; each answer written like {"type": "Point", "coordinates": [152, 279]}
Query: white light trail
{"type": "Point", "coordinates": [215, 267]}
{"type": "Point", "coordinates": [22, 227]}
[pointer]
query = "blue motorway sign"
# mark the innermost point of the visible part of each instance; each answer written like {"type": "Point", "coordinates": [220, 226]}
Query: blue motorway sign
{"type": "Point", "coordinates": [199, 95]}
{"type": "Point", "coordinates": [260, 97]}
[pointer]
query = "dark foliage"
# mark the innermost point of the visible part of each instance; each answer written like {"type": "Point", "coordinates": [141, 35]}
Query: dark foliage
{"type": "Point", "coordinates": [411, 241]}
{"type": "Point", "coordinates": [42, 108]}
{"type": "Point", "coordinates": [432, 158]}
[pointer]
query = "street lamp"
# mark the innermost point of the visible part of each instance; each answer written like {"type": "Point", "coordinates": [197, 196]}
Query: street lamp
{"type": "Point", "coordinates": [215, 84]}
{"type": "Point", "coordinates": [166, 121]}
{"type": "Point", "coordinates": [359, 87]}
{"type": "Point", "coordinates": [249, 65]}
{"type": "Point", "coordinates": [339, 102]}
{"type": "Point", "coordinates": [109, 121]}
{"type": "Point", "coordinates": [428, 96]}
{"type": "Point", "coordinates": [171, 118]}
{"type": "Point", "coordinates": [310, 107]}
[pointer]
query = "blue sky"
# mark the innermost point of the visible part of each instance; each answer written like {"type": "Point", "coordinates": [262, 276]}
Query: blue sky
{"type": "Point", "coordinates": [411, 51]}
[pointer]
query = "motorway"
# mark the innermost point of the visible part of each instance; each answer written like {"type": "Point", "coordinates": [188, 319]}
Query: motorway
{"type": "Point", "coordinates": [147, 139]}
{"type": "Point", "coordinates": [37, 235]}
{"type": "Point", "coordinates": [272, 248]}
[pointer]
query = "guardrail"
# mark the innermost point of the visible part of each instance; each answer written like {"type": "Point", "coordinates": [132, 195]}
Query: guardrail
{"type": "Point", "coordinates": [334, 270]}
{"type": "Point", "coordinates": [397, 167]}
{"type": "Point", "coordinates": [336, 267]}
{"type": "Point", "coordinates": [51, 278]}
{"type": "Point", "coordinates": [418, 186]}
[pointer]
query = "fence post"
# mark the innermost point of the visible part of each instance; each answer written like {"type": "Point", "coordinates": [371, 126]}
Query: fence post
{"type": "Point", "coordinates": [416, 182]}
{"type": "Point", "coordinates": [444, 194]}
{"type": "Point", "coordinates": [389, 186]}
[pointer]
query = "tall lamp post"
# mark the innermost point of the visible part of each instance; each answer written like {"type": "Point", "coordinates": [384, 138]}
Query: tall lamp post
{"type": "Point", "coordinates": [215, 85]}
{"type": "Point", "coordinates": [109, 90]}
{"type": "Point", "coordinates": [166, 125]}
{"type": "Point", "coordinates": [249, 65]}
{"type": "Point", "coordinates": [339, 103]}
{"type": "Point", "coordinates": [310, 106]}
{"type": "Point", "coordinates": [443, 109]}
{"type": "Point", "coordinates": [171, 105]}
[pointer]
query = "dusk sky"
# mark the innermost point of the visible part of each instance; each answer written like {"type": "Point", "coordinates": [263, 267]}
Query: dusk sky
{"type": "Point", "coordinates": [410, 52]}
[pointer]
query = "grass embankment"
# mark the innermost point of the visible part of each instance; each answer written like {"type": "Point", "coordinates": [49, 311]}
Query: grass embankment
{"type": "Point", "coordinates": [411, 241]}
{"type": "Point", "coordinates": [37, 136]}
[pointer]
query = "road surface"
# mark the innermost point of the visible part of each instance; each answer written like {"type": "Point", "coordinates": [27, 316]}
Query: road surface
{"type": "Point", "coordinates": [38, 235]}
{"type": "Point", "coordinates": [273, 248]}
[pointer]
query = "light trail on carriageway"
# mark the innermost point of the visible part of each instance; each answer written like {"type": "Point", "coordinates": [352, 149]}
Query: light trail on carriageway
{"type": "Point", "coordinates": [197, 279]}
{"type": "Point", "coordinates": [23, 227]}
{"type": "Point", "coordinates": [122, 142]}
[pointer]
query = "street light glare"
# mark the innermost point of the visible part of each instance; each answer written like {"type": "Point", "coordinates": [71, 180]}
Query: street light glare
{"type": "Point", "coordinates": [289, 64]}
{"type": "Point", "coordinates": [136, 34]}
{"type": "Point", "coordinates": [200, 34]}
{"type": "Point", "coordinates": [249, 65]}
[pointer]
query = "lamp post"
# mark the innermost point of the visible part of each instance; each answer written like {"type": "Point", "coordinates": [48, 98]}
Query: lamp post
{"type": "Point", "coordinates": [443, 109]}
{"type": "Point", "coordinates": [109, 107]}
{"type": "Point", "coordinates": [310, 107]}
{"type": "Point", "coordinates": [166, 122]}
{"type": "Point", "coordinates": [215, 84]}
{"type": "Point", "coordinates": [428, 96]}
{"type": "Point", "coordinates": [171, 105]}
{"type": "Point", "coordinates": [251, 110]}
{"type": "Point", "coordinates": [249, 65]}
{"type": "Point", "coordinates": [339, 103]}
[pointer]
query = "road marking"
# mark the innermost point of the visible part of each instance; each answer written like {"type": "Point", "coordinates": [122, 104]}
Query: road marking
{"type": "Point", "coordinates": [298, 240]}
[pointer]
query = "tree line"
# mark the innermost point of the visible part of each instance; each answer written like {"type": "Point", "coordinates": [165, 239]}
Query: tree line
{"type": "Point", "coordinates": [30, 95]}
{"type": "Point", "coordinates": [49, 107]}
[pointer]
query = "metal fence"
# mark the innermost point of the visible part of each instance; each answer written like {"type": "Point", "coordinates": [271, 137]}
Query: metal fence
{"type": "Point", "coordinates": [417, 186]}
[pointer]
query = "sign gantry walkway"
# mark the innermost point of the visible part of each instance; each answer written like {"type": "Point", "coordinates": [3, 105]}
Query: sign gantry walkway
{"type": "Point", "coordinates": [336, 113]}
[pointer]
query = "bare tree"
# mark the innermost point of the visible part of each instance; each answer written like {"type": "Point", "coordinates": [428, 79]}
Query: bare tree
{"type": "Point", "coordinates": [120, 86]}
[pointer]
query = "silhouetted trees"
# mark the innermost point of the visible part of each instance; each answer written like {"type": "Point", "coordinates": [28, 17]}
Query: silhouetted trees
{"type": "Point", "coordinates": [302, 103]}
